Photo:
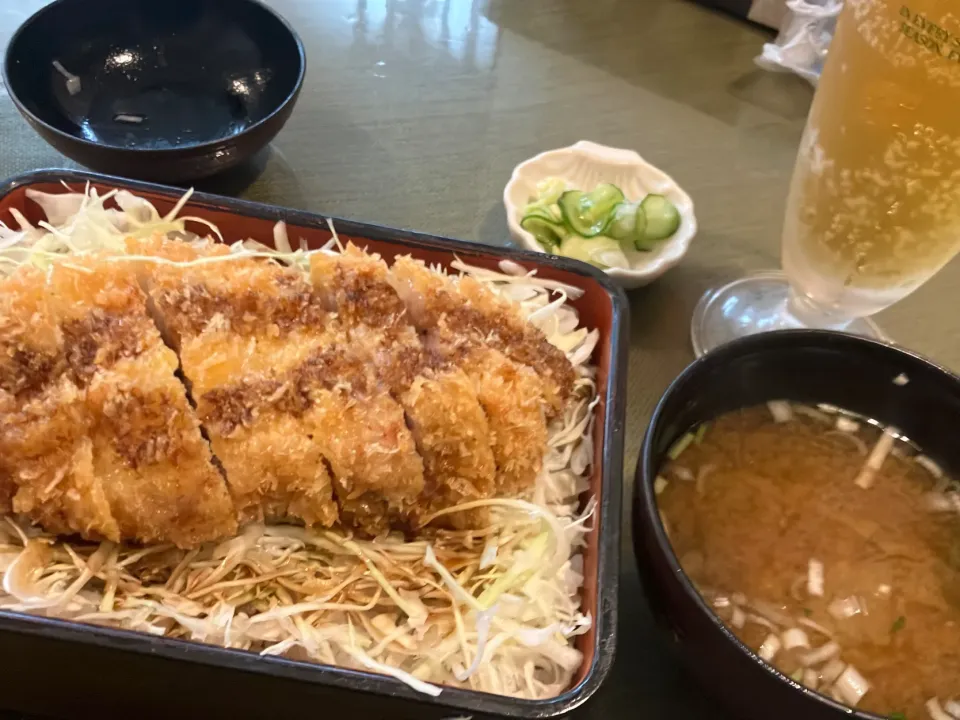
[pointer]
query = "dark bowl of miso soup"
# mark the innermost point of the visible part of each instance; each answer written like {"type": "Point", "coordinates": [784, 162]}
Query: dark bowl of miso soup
{"type": "Point", "coordinates": [797, 527]}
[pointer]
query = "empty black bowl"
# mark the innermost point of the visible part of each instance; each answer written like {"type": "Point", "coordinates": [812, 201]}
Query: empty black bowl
{"type": "Point", "coordinates": [168, 90]}
{"type": "Point", "coordinates": [806, 366]}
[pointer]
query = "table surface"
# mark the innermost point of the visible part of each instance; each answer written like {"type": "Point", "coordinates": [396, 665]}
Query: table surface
{"type": "Point", "coordinates": [415, 112]}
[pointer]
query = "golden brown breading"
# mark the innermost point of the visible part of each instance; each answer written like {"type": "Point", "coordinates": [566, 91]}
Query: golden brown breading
{"type": "Point", "coordinates": [453, 434]}
{"type": "Point", "coordinates": [67, 324]}
{"type": "Point", "coordinates": [275, 379]}
{"type": "Point", "coordinates": [373, 318]}
{"type": "Point", "coordinates": [7, 488]}
{"type": "Point", "coordinates": [376, 470]}
{"type": "Point", "coordinates": [440, 403]}
{"type": "Point", "coordinates": [155, 467]}
{"type": "Point", "coordinates": [510, 396]}
{"type": "Point", "coordinates": [279, 469]}
{"type": "Point", "coordinates": [354, 284]}
{"type": "Point", "coordinates": [250, 297]}
{"type": "Point", "coordinates": [479, 317]}
{"type": "Point", "coordinates": [364, 394]}
{"type": "Point", "coordinates": [32, 370]}
{"type": "Point", "coordinates": [48, 473]}
{"type": "Point", "coordinates": [326, 398]}
{"type": "Point", "coordinates": [510, 393]}
{"type": "Point", "coordinates": [97, 432]}
{"type": "Point", "coordinates": [50, 465]}
{"type": "Point", "coordinates": [240, 327]}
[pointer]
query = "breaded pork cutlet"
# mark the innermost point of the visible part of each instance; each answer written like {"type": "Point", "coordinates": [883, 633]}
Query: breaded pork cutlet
{"type": "Point", "coordinates": [96, 432]}
{"type": "Point", "coordinates": [281, 395]}
{"type": "Point", "coordinates": [238, 326]}
{"type": "Point", "coordinates": [512, 395]}
{"type": "Point", "coordinates": [475, 315]}
{"type": "Point", "coordinates": [377, 472]}
{"type": "Point", "coordinates": [450, 428]}
{"type": "Point", "coordinates": [41, 413]}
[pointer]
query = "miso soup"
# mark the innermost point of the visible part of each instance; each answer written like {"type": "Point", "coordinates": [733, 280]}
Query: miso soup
{"type": "Point", "coordinates": [830, 546]}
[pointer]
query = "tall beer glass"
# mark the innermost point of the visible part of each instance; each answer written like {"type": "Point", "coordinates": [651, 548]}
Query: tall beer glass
{"type": "Point", "coordinates": [874, 205]}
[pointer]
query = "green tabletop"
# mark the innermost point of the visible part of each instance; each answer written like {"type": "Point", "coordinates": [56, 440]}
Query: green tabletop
{"type": "Point", "coordinates": [415, 112]}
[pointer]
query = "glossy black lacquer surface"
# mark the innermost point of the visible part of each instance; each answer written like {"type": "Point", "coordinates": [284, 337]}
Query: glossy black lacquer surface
{"type": "Point", "coordinates": [121, 674]}
{"type": "Point", "coordinates": [806, 366]}
{"type": "Point", "coordinates": [168, 90]}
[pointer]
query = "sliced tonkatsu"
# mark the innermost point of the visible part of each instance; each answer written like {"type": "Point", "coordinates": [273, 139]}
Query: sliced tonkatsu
{"type": "Point", "coordinates": [477, 316]}
{"type": "Point", "coordinates": [45, 465]}
{"type": "Point", "coordinates": [513, 396]}
{"type": "Point", "coordinates": [239, 326]}
{"type": "Point", "coordinates": [357, 393]}
{"type": "Point", "coordinates": [96, 434]}
{"type": "Point", "coordinates": [288, 406]}
{"type": "Point", "coordinates": [450, 428]}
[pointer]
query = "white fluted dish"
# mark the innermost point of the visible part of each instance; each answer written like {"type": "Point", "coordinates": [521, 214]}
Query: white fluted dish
{"type": "Point", "coordinates": [586, 164]}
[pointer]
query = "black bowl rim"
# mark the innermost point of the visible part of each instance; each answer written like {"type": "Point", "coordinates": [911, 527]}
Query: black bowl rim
{"type": "Point", "coordinates": [611, 484]}
{"type": "Point", "coordinates": [158, 153]}
{"type": "Point", "coordinates": [644, 499]}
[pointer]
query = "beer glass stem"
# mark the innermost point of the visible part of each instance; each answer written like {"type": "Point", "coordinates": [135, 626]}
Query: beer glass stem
{"type": "Point", "coordinates": [801, 311]}
{"type": "Point", "coordinates": [762, 302]}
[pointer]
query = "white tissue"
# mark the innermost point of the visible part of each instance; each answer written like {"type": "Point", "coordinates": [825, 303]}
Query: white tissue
{"type": "Point", "coordinates": [801, 46]}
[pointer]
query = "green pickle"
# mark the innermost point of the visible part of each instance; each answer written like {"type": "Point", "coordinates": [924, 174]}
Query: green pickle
{"type": "Point", "coordinates": [597, 227]}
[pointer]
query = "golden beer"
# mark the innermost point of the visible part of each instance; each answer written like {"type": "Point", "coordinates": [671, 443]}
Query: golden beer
{"type": "Point", "coordinates": [874, 206]}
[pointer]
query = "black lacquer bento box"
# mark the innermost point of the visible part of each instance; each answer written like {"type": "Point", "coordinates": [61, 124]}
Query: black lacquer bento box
{"type": "Point", "coordinates": [64, 669]}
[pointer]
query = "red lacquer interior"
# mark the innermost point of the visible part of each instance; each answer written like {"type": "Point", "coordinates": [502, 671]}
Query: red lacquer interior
{"type": "Point", "coordinates": [595, 309]}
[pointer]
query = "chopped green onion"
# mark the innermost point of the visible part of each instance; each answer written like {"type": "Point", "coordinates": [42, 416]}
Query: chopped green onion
{"type": "Point", "coordinates": [797, 675]}
{"type": "Point", "coordinates": [676, 450]}
{"type": "Point", "coordinates": [897, 716]}
{"type": "Point", "coordinates": [701, 431]}
{"type": "Point", "coordinates": [898, 624]}
{"type": "Point", "coordinates": [808, 612]}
